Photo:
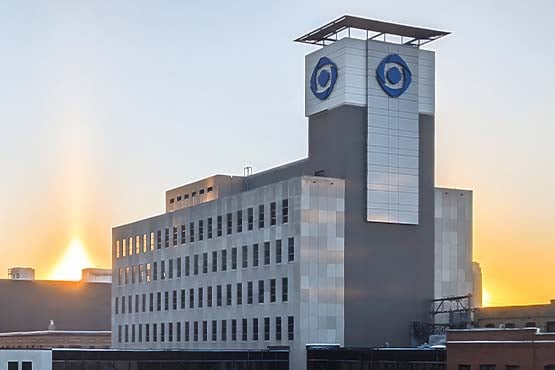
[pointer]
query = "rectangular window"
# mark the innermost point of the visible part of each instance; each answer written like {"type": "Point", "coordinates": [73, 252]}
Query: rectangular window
{"type": "Point", "coordinates": [166, 237]}
{"type": "Point", "coordinates": [229, 224]}
{"type": "Point", "coordinates": [152, 241]}
{"type": "Point", "coordinates": [260, 291]}
{"type": "Point", "coordinates": [163, 270]}
{"type": "Point", "coordinates": [130, 246]}
{"type": "Point", "coordinates": [209, 296]}
{"type": "Point", "coordinates": [195, 264]}
{"type": "Point", "coordinates": [239, 221]}
{"type": "Point", "coordinates": [187, 265]}
{"type": "Point", "coordinates": [209, 226]}
{"type": "Point", "coordinates": [183, 234]}
{"type": "Point", "coordinates": [155, 271]}
{"type": "Point", "coordinates": [126, 333]}
{"type": "Point", "coordinates": [141, 273]}
{"type": "Point", "coordinates": [178, 331]}
{"type": "Point", "coordinates": [127, 275]}
{"type": "Point", "coordinates": [14, 365]}
{"type": "Point", "coordinates": [136, 303]}
{"type": "Point", "coordinates": [178, 265]}
{"type": "Point", "coordinates": [130, 304]}
{"type": "Point", "coordinates": [224, 330]}
{"type": "Point", "coordinates": [205, 263]}
{"type": "Point", "coordinates": [26, 365]}
{"type": "Point", "coordinates": [290, 328]}
{"type": "Point", "coordinates": [159, 301]}
{"type": "Point", "coordinates": [204, 331]}
{"type": "Point", "coordinates": [249, 292]}
{"type": "Point", "coordinates": [166, 301]}
{"type": "Point", "coordinates": [174, 300]}
{"type": "Point", "coordinates": [145, 244]}
{"type": "Point", "coordinates": [174, 236]}
{"type": "Point", "coordinates": [255, 255]}
{"type": "Point", "coordinates": [170, 269]}
{"type": "Point", "coordinates": [233, 329]}
{"type": "Point", "coordinates": [285, 211]}
{"type": "Point", "coordinates": [266, 253]}
{"type": "Point", "coordinates": [273, 216]}
{"type": "Point", "coordinates": [191, 232]}
{"type": "Point", "coordinates": [195, 331]}
{"type": "Point", "coordinates": [250, 218]}
{"type": "Point", "coordinates": [191, 298]}
{"type": "Point", "coordinates": [123, 248]}
{"type": "Point", "coordinates": [154, 332]}
{"type": "Point", "coordinates": [117, 249]}
{"type": "Point", "coordinates": [116, 305]}
{"type": "Point", "coordinates": [143, 302]}
{"type": "Point", "coordinates": [272, 290]}
{"type": "Point", "coordinates": [219, 295]}
{"type": "Point", "coordinates": [245, 256]}
{"type": "Point", "coordinates": [120, 276]}
{"type": "Point", "coordinates": [182, 301]}
{"type": "Point", "coordinates": [170, 332]}
{"type": "Point", "coordinates": [214, 261]}
{"type": "Point", "coordinates": [200, 230]}
{"type": "Point", "coordinates": [278, 328]}
{"type": "Point", "coordinates": [245, 330]}
{"type": "Point", "coordinates": [200, 297]}
{"type": "Point", "coordinates": [224, 260]}
{"type": "Point", "coordinates": [134, 274]}
{"type": "Point", "coordinates": [284, 289]}
{"type": "Point", "coordinates": [137, 244]}
{"type": "Point", "coordinates": [151, 302]}
{"type": "Point", "coordinates": [239, 294]}
{"type": "Point", "coordinates": [266, 328]}
{"type": "Point", "coordinates": [219, 226]}
{"type": "Point", "coordinates": [255, 329]}
{"type": "Point", "coordinates": [140, 334]}
{"type": "Point", "coordinates": [148, 272]}
{"type": "Point", "coordinates": [228, 294]}
{"type": "Point", "coordinates": [187, 330]}
{"type": "Point", "coordinates": [261, 216]}
{"type": "Point", "coordinates": [147, 332]}
{"type": "Point", "coordinates": [290, 249]}
{"type": "Point", "coordinates": [278, 251]}
{"type": "Point", "coordinates": [234, 258]}
{"type": "Point", "coordinates": [214, 330]}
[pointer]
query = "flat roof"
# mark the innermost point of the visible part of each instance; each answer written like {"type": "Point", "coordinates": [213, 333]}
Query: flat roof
{"type": "Point", "coordinates": [417, 36]}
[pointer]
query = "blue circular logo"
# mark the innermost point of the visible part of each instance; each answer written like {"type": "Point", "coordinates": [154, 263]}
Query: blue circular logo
{"type": "Point", "coordinates": [394, 75]}
{"type": "Point", "coordinates": [323, 78]}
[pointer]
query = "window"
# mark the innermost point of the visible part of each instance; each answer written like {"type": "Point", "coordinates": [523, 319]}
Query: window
{"type": "Point", "coordinates": [178, 265]}
{"type": "Point", "coordinates": [143, 308]}
{"type": "Point", "coordinates": [133, 333]}
{"type": "Point", "coordinates": [166, 301]}
{"type": "Point", "coordinates": [290, 328]}
{"type": "Point", "coordinates": [195, 264]}
{"type": "Point", "coordinates": [119, 335]}
{"type": "Point", "coordinates": [490, 325]}
{"type": "Point", "coordinates": [151, 302]}
{"type": "Point", "coordinates": [120, 275]}
{"type": "Point", "coordinates": [124, 247]}
{"type": "Point", "coordinates": [141, 273]}
{"type": "Point", "coordinates": [219, 295]}
{"type": "Point", "coordinates": [260, 291]}
{"type": "Point", "coordinates": [126, 333]}
{"type": "Point", "coordinates": [130, 246]}
{"type": "Point", "coordinates": [200, 230]}
{"type": "Point", "coordinates": [117, 249]}
{"type": "Point", "coordinates": [224, 260]}
{"type": "Point", "coordinates": [510, 325]}
{"type": "Point", "coordinates": [229, 223]}
{"type": "Point", "coordinates": [191, 298]}
{"type": "Point", "coordinates": [239, 293]}
{"type": "Point", "coordinates": [209, 296]}
{"type": "Point", "coordinates": [284, 290]}
{"type": "Point", "coordinates": [172, 201]}
{"type": "Point", "coordinates": [174, 236]}
{"type": "Point", "coordinates": [219, 226]}
{"type": "Point", "coordinates": [140, 334]}
{"type": "Point", "coordinates": [170, 269]}
{"type": "Point", "coordinates": [159, 239]}
{"type": "Point", "coordinates": [266, 328]}
{"type": "Point", "coordinates": [240, 221]}
{"type": "Point", "coordinates": [255, 255]}
{"type": "Point", "coordinates": [116, 306]}
{"type": "Point", "coordinates": [195, 331]}
{"type": "Point", "coordinates": [166, 237]}
{"type": "Point", "coordinates": [145, 244]}
{"type": "Point", "coordinates": [245, 330]}
{"type": "Point", "coordinates": [170, 332]}
{"type": "Point", "coordinates": [234, 258]}
{"type": "Point", "coordinates": [13, 365]}
{"type": "Point", "coordinates": [148, 272]}
{"type": "Point", "coordinates": [187, 336]}
{"type": "Point", "coordinates": [290, 249]}
{"type": "Point", "coordinates": [127, 275]}
{"type": "Point", "coordinates": [162, 270]}
{"type": "Point", "coordinates": [183, 234]}
{"type": "Point", "coordinates": [186, 196]}
{"type": "Point", "coordinates": [272, 290]}
{"type": "Point", "coordinates": [136, 303]}
{"type": "Point", "coordinates": [26, 365]}
{"type": "Point", "coordinates": [250, 218]}
{"type": "Point", "coordinates": [278, 251]}
{"type": "Point", "coordinates": [245, 256]}
{"type": "Point", "coordinates": [266, 253]}
{"type": "Point", "coordinates": [487, 367]}
{"type": "Point", "coordinates": [285, 211]}
{"type": "Point", "coordinates": [209, 189]}
{"type": "Point", "coordinates": [550, 327]}
{"type": "Point", "coordinates": [214, 261]}
{"type": "Point", "coordinates": [154, 332]}
{"type": "Point", "coordinates": [178, 331]}
{"type": "Point", "coordinates": [205, 263]}
{"type": "Point", "coordinates": [187, 265]}
{"type": "Point", "coordinates": [255, 329]}
{"type": "Point", "coordinates": [214, 330]}
{"type": "Point", "coordinates": [191, 232]}
{"type": "Point", "coordinates": [273, 216]}
{"type": "Point", "coordinates": [249, 292]}
{"type": "Point", "coordinates": [179, 198]}
{"type": "Point", "coordinates": [261, 216]}
{"type": "Point", "coordinates": [133, 274]}
{"type": "Point", "coordinates": [234, 329]}
{"type": "Point", "coordinates": [228, 294]}
{"type": "Point", "coordinates": [147, 333]}
{"type": "Point", "coordinates": [182, 302]}
{"type": "Point", "coordinates": [209, 226]}
{"type": "Point", "coordinates": [152, 241]}
{"type": "Point", "coordinates": [278, 328]}
{"type": "Point", "coordinates": [174, 300]}
{"type": "Point", "coordinates": [200, 298]}
{"type": "Point", "coordinates": [224, 330]}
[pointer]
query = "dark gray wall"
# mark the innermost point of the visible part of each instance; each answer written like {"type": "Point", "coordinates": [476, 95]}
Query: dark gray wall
{"type": "Point", "coordinates": [30, 305]}
{"type": "Point", "coordinates": [389, 268]}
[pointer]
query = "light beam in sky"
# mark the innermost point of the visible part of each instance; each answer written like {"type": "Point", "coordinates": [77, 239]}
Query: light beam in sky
{"type": "Point", "coordinates": [73, 261]}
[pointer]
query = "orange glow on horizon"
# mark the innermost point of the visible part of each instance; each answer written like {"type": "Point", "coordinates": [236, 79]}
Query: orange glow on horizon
{"type": "Point", "coordinates": [73, 261]}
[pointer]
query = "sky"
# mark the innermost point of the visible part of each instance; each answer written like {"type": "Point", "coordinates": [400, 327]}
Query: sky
{"type": "Point", "coordinates": [105, 105]}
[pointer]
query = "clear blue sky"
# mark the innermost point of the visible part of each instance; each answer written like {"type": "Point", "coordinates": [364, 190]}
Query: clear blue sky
{"type": "Point", "coordinates": [104, 105]}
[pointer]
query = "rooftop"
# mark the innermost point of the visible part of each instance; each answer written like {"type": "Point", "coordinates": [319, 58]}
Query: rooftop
{"type": "Point", "coordinates": [374, 29]}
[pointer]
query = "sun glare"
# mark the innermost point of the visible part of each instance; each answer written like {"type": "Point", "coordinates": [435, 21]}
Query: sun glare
{"type": "Point", "coordinates": [486, 298]}
{"type": "Point", "coordinates": [73, 261]}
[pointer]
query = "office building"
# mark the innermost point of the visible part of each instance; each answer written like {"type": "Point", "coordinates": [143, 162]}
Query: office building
{"type": "Point", "coordinates": [56, 339]}
{"type": "Point", "coordinates": [540, 316]}
{"type": "Point", "coordinates": [335, 248]}
{"type": "Point", "coordinates": [477, 285]}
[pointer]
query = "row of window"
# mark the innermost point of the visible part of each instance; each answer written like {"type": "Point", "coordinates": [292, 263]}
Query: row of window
{"type": "Point", "coordinates": [549, 326]}
{"type": "Point", "coordinates": [196, 230]}
{"type": "Point", "coordinates": [193, 195]}
{"type": "Point", "coordinates": [25, 365]}
{"type": "Point", "coordinates": [199, 263]}
{"type": "Point", "coordinates": [183, 298]}
{"type": "Point", "coordinates": [195, 331]}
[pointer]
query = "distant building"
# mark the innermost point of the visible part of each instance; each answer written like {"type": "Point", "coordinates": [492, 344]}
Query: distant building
{"type": "Point", "coordinates": [21, 273]}
{"type": "Point", "coordinates": [477, 289]}
{"type": "Point", "coordinates": [540, 316]}
{"type": "Point", "coordinates": [56, 339]}
{"type": "Point", "coordinates": [490, 349]}
{"type": "Point", "coordinates": [32, 305]}
{"type": "Point", "coordinates": [92, 275]}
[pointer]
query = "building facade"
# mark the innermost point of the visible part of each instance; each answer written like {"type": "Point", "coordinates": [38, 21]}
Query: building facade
{"type": "Point", "coordinates": [541, 316]}
{"type": "Point", "coordinates": [56, 339]}
{"type": "Point", "coordinates": [335, 248]}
